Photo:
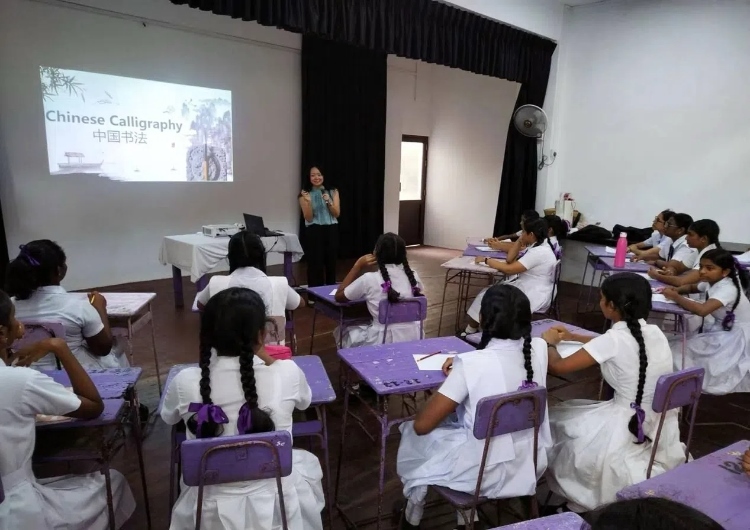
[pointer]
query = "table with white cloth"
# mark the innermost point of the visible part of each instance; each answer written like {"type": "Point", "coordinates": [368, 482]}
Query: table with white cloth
{"type": "Point", "coordinates": [198, 255]}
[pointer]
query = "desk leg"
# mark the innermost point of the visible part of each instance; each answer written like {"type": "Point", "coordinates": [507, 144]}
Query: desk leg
{"type": "Point", "coordinates": [683, 324]}
{"type": "Point", "coordinates": [329, 492]}
{"type": "Point", "coordinates": [442, 304]}
{"type": "Point", "coordinates": [110, 501]}
{"type": "Point", "coordinates": [288, 272]}
{"type": "Point", "coordinates": [583, 284]}
{"type": "Point", "coordinates": [384, 430]}
{"type": "Point", "coordinates": [461, 282]}
{"type": "Point", "coordinates": [139, 449]}
{"type": "Point", "coordinates": [312, 334]}
{"type": "Point", "coordinates": [179, 299]}
{"type": "Point", "coordinates": [153, 346]}
{"type": "Point", "coordinates": [343, 437]}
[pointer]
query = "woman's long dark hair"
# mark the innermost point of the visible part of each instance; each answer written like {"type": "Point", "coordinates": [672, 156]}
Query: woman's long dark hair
{"type": "Point", "coordinates": [651, 513]}
{"type": "Point", "coordinates": [390, 249]}
{"type": "Point", "coordinates": [246, 250]}
{"type": "Point", "coordinates": [37, 265]}
{"type": "Point", "coordinates": [725, 261]}
{"type": "Point", "coordinates": [630, 294]}
{"type": "Point", "coordinates": [539, 228]}
{"type": "Point", "coordinates": [231, 324]}
{"type": "Point", "coordinates": [506, 314]}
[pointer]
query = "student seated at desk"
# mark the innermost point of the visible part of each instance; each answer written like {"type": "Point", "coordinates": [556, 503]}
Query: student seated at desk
{"type": "Point", "coordinates": [70, 502]}
{"type": "Point", "coordinates": [394, 280]}
{"type": "Point", "coordinates": [558, 229]}
{"type": "Point", "coordinates": [702, 236]}
{"type": "Point", "coordinates": [248, 399]}
{"type": "Point", "coordinates": [602, 447]}
{"type": "Point", "coordinates": [501, 243]}
{"type": "Point", "coordinates": [33, 279]}
{"type": "Point", "coordinates": [650, 249]}
{"type": "Point", "coordinates": [723, 348]}
{"type": "Point", "coordinates": [535, 270]}
{"type": "Point", "coordinates": [675, 229]}
{"type": "Point", "coordinates": [651, 513]}
{"type": "Point", "coordinates": [438, 448]}
{"type": "Point", "coordinates": [247, 268]}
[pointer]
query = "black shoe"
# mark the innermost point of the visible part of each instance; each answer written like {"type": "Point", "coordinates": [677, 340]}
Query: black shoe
{"type": "Point", "coordinates": [143, 413]}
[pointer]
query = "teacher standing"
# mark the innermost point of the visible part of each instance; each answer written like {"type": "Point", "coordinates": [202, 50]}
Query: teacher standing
{"type": "Point", "coordinates": [321, 209]}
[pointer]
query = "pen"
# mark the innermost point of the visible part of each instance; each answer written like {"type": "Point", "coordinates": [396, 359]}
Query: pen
{"type": "Point", "coordinates": [92, 299]}
{"type": "Point", "coordinates": [429, 355]}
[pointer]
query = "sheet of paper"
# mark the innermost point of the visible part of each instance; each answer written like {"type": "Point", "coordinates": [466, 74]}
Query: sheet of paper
{"type": "Point", "coordinates": [658, 297]}
{"type": "Point", "coordinates": [333, 293]}
{"type": "Point", "coordinates": [484, 249]}
{"type": "Point", "coordinates": [432, 363]}
{"type": "Point", "coordinates": [744, 258]}
{"type": "Point", "coordinates": [610, 250]}
{"type": "Point", "coordinates": [643, 275]}
{"type": "Point", "coordinates": [567, 348]}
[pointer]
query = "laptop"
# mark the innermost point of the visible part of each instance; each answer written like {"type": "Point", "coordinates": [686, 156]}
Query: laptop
{"type": "Point", "coordinates": [254, 225]}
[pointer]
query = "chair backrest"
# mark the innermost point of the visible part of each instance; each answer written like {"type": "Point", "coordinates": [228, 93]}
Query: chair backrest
{"type": "Point", "coordinates": [556, 278]}
{"type": "Point", "coordinates": [511, 412]}
{"type": "Point", "coordinates": [405, 310]}
{"type": "Point", "coordinates": [675, 390]}
{"type": "Point", "coordinates": [37, 330]}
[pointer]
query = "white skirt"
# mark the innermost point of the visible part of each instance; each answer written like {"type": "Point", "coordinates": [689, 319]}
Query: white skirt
{"type": "Point", "coordinates": [725, 355]}
{"type": "Point", "coordinates": [116, 358]}
{"type": "Point", "coordinates": [71, 502]}
{"type": "Point", "coordinates": [594, 455]}
{"type": "Point", "coordinates": [371, 334]}
{"type": "Point", "coordinates": [255, 505]}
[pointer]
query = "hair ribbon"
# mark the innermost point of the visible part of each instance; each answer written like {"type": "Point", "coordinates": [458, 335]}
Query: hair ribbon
{"type": "Point", "coordinates": [244, 420]}
{"type": "Point", "coordinates": [207, 412]}
{"type": "Point", "coordinates": [386, 286]}
{"type": "Point", "coordinates": [640, 416]}
{"type": "Point", "coordinates": [528, 385]}
{"type": "Point", "coordinates": [28, 257]}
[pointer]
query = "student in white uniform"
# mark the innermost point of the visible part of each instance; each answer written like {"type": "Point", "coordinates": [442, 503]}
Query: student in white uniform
{"type": "Point", "coordinates": [438, 448]}
{"type": "Point", "coordinates": [675, 229]}
{"type": "Point", "coordinates": [33, 279]}
{"type": "Point", "coordinates": [535, 270]}
{"type": "Point", "coordinates": [70, 502]}
{"type": "Point", "coordinates": [649, 249]}
{"type": "Point", "coordinates": [602, 447]}
{"type": "Point", "coordinates": [394, 280]}
{"type": "Point", "coordinates": [247, 268]}
{"type": "Point", "coordinates": [252, 399]}
{"type": "Point", "coordinates": [723, 348]}
{"type": "Point", "coordinates": [504, 243]}
{"type": "Point", "coordinates": [558, 229]}
{"type": "Point", "coordinates": [702, 236]}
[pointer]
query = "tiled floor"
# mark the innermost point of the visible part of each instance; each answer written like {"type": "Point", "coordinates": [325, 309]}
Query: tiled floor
{"type": "Point", "coordinates": [177, 342]}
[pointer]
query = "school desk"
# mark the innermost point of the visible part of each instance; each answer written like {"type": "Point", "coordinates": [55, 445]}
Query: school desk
{"type": "Point", "coordinates": [561, 521]}
{"type": "Point", "coordinates": [199, 255]}
{"type": "Point", "coordinates": [714, 484]}
{"type": "Point", "coordinates": [346, 313]}
{"type": "Point", "coordinates": [109, 439]}
{"type": "Point", "coordinates": [537, 328]}
{"type": "Point", "coordinates": [474, 252]}
{"type": "Point", "coordinates": [128, 313]}
{"type": "Point", "coordinates": [594, 255]}
{"type": "Point", "coordinates": [389, 369]}
{"type": "Point", "coordinates": [466, 273]}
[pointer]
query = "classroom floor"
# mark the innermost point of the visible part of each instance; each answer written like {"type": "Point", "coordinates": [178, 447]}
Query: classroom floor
{"type": "Point", "coordinates": [177, 342]}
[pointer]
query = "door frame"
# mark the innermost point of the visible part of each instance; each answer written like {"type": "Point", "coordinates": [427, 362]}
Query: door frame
{"type": "Point", "coordinates": [425, 141]}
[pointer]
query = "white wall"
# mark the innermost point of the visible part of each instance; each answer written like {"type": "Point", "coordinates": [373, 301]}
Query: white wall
{"type": "Point", "coordinates": [112, 231]}
{"type": "Point", "coordinates": [470, 116]}
{"type": "Point", "coordinates": [655, 111]}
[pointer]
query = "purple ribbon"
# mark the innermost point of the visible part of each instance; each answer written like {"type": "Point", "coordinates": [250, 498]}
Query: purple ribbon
{"type": "Point", "coordinates": [415, 291]}
{"type": "Point", "coordinates": [640, 416]}
{"type": "Point", "coordinates": [205, 412]}
{"type": "Point", "coordinates": [244, 421]}
{"type": "Point", "coordinates": [25, 254]}
{"type": "Point", "coordinates": [528, 385]}
{"type": "Point", "coordinates": [728, 321]}
{"type": "Point", "coordinates": [386, 286]}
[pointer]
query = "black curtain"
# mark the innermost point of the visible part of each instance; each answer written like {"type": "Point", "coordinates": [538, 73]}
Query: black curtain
{"type": "Point", "coordinates": [4, 258]}
{"type": "Point", "coordinates": [343, 134]}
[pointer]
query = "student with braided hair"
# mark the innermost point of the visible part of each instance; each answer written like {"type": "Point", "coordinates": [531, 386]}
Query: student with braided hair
{"type": "Point", "coordinates": [228, 395]}
{"type": "Point", "coordinates": [394, 279]}
{"type": "Point", "coordinates": [723, 348]}
{"type": "Point", "coordinates": [438, 447]}
{"type": "Point", "coordinates": [602, 447]}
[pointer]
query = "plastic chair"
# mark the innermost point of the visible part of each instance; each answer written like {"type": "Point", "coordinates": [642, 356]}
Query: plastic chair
{"type": "Point", "coordinates": [676, 390]}
{"type": "Point", "coordinates": [496, 416]}
{"type": "Point", "coordinates": [405, 310]}
{"type": "Point", "coordinates": [37, 330]}
{"type": "Point", "coordinates": [226, 459]}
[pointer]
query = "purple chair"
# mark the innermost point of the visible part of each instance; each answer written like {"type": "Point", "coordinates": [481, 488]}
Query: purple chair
{"type": "Point", "coordinates": [496, 416]}
{"type": "Point", "coordinates": [37, 330]}
{"type": "Point", "coordinates": [405, 310]}
{"type": "Point", "coordinates": [676, 390]}
{"type": "Point", "coordinates": [225, 459]}
{"type": "Point", "coordinates": [178, 435]}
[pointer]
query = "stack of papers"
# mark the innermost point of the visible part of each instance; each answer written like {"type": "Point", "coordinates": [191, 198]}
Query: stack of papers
{"type": "Point", "coordinates": [484, 249]}
{"type": "Point", "coordinates": [658, 297]}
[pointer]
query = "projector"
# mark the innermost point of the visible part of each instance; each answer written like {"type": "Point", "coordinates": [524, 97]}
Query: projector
{"type": "Point", "coordinates": [222, 230]}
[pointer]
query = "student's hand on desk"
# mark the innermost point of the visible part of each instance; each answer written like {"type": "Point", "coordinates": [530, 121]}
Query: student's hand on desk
{"type": "Point", "coordinates": [670, 293]}
{"type": "Point", "coordinates": [553, 336]}
{"type": "Point", "coordinates": [448, 366]}
{"type": "Point", "coordinates": [746, 462]}
{"type": "Point", "coordinates": [98, 301]}
{"type": "Point", "coordinates": [564, 333]}
{"type": "Point", "coordinates": [655, 273]}
{"type": "Point", "coordinates": [368, 260]}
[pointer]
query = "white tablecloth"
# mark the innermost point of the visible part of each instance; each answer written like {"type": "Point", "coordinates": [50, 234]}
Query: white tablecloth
{"type": "Point", "coordinates": [199, 254]}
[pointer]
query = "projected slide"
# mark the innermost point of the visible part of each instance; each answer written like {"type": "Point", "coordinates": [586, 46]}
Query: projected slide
{"type": "Point", "coordinates": [136, 130]}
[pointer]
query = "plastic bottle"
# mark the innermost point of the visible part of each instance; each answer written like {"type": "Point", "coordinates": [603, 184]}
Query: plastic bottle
{"type": "Point", "coordinates": [621, 250]}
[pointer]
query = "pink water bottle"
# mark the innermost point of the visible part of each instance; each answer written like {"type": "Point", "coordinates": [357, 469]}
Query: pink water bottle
{"type": "Point", "coordinates": [621, 250]}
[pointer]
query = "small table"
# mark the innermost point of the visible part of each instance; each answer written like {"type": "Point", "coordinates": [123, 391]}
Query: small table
{"type": "Point", "coordinates": [462, 270]}
{"type": "Point", "coordinates": [715, 485]}
{"type": "Point", "coordinates": [199, 255]}
{"type": "Point", "coordinates": [474, 252]}
{"type": "Point", "coordinates": [115, 411]}
{"type": "Point", "coordinates": [561, 521]}
{"type": "Point", "coordinates": [346, 314]}
{"type": "Point", "coordinates": [128, 313]}
{"type": "Point", "coordinates": [630, 266]}
{"type": "Point", "coordinates": [389, 369]}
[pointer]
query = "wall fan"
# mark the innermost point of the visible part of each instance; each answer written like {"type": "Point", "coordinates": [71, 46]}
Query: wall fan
{"type": "Point", "coordinates": [531, 121]}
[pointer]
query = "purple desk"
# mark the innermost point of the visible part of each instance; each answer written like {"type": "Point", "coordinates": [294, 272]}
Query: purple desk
{"type": "Point", "coordinates": [389, 369]}
{"type": "Point", "coordinates": [537, 328]}
{"type": "Point", "coordinates": [630, 266]}
{"type": "Point", "coordinates": [594, 253]}
{"type": "Point", "coordinates": [112, 383]}
{"type": "Point", "coordinates": [714, 485]}
{"type": "Point", "coordinates": [474, 252]}
{"type": "Point", "coordinates": [108, 434]}
{"type": "Point", "coordinates": [563, 521]}
{"type": "Point", "coordinates": [346, 314]}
